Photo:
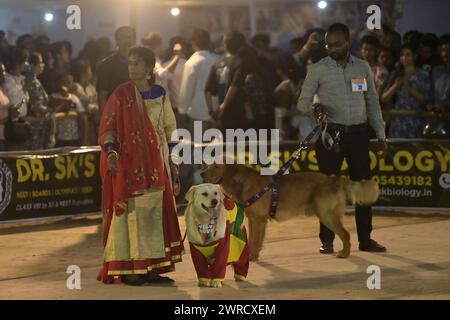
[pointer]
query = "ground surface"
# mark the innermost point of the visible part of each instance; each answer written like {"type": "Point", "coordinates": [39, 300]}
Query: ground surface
{"type": "Point", "coordinates": [34, 259]}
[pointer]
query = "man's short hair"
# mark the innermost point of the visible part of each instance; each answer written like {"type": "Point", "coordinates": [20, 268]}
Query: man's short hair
{"type": "Point", "coordinates": [371, 40]}
{"type": "Point", "coordinates": [152, 40]}
{"type": "Point", "coordinates": [445, 39]}
{"type": "Point", "coordinates": [429, 40]}
{"type": "Point", "coordinates": [201, 38]}
{"type": "Point", "coordinates": [234, 40]}
{"type": "Point", "coordinates": [340, 27]}
{"type": "Point", "coordinates": [121, 29]}
{"type": "Point", "coordinates": [260, 41]}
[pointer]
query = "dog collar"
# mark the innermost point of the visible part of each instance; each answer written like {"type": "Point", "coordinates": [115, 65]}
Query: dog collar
{"type": "Point", "coordinates": [207, 231]}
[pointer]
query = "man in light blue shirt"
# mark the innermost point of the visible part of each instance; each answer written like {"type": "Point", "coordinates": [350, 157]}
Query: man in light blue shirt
{"type": "Point", "coordinates": [346, 90]}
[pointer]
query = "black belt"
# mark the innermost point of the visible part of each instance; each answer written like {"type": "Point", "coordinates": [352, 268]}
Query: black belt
{"type": "Point", "coordinates": [363, 127]}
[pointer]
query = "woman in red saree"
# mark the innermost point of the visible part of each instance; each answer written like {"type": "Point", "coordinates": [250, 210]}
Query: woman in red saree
{"type": "Point", "coordinates": [141, 235]}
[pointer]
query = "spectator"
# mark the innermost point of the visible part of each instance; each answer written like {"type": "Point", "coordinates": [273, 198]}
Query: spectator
{"type": "Point", "coordinates": [41, 42]}
{"type": "Point", "coordinates": [49, 77]}
{"type": "Point", "coordinates": [4, 48]}
{"type": "Point", "coordinates": [389, 38]}
{"type": "Point", "coordinates": [295, 45]}
{"type": "Point", "coordinates": [261, 42]}
{"type": "Point", "coordinates": [163, 73]}
{"type": "Point", "coordinates": [369, 52]}
{"type": "Point", "coordinates": [16, 90]}
{"type": "Point", "coordinates": [387, 59]}
{"type": "Point", "coordinates": [410, 89]}
{"type": "Point", "coordinates": [219, 80]}
{"type": "Point", "coordinates": [4, 107]}
{"type": "Point", "coordinates": [440, 79]}
{"type": "Point", "coordinates": [105, 46]}
{"type": "Point", "coordinates": [427, 51]}
{"type": "Point", "coordinates": [69, 112]}
{"type": "Point", "coordinates": [314, 40]}
{"type": "Point", "coordinates": [286, 95]}
{"type": "Point", "coordinates": [92, 53]}
{"type": "Point", "coordinates": [25, 43]}
{"type": "Point", "coordinates": [41, 136]}
{"type": "Point", "coordinates": [253, 82]}
{"type": "Point", "coordinates": [193, 83]}
{"type": "Point", "coordinates": [61, 64]}
{"type": "Point", "coordinates": [174, 83]}
{"type": "Point", "coordinates": [412, 37]}
{"type": "Point", "coordinates": [113, 70]}
{"type": "Point", "coordinates": [84, 89]}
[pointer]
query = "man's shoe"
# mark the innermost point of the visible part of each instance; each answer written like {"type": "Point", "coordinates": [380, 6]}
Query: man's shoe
{"type": "Point", "coordinates": [372, 246]}
{"type": "Point", "coordinates": [326, 248]}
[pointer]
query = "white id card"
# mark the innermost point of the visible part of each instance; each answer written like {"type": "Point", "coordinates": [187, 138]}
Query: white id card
{"type": "Point", "coordinates": [359, 84]}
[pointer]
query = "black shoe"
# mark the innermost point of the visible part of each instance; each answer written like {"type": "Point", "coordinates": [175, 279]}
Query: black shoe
{"type": "Point", "coordinates": [326, 248]}
{"type": "Point", "coordinates": [372, 246]}
{"type": "Point", "coordinates": [157, 279]}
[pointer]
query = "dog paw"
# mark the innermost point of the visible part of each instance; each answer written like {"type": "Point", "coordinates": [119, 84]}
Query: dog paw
{"type": "Point", "coordinates": [239, 278]}
{"type": "Point", "coordinates": [204, 283]}
{"type": "Point", "coordinates": [254, 257]}
{"type": "Point", "coordinates": [216, 284]}
{"type": "Point", "coordinates": [342, 254]}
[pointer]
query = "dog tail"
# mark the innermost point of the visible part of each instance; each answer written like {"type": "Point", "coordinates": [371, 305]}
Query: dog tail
{"type": "Point", "coordinates": [363, 192]}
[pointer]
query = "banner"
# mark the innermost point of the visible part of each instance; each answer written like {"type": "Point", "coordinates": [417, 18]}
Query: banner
{"type": "Point", "coordinates": [53, 182]}
{"type": "Point", "coordinates": [413, 173]}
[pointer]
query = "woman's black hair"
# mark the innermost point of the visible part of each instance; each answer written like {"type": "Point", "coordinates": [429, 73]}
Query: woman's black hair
{"type": "Point", "coordinates": [17, 57]}
{"type": "Point", "coordinates": [148, 57]}
{"type": "Point", "coordinates": [35, 57]}
{"type": "Point", "coordinates": [77, 68]}
{"type": "Point", "coordinates": [287, 64]}
{"type": "Point", "coordinates": [412, 48]}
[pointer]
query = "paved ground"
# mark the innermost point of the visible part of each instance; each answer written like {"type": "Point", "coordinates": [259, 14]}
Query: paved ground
{"type": "Point", "coordinates": [33, 262]}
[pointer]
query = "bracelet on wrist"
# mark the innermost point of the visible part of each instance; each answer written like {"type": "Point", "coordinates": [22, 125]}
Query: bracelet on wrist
{"type": "Point", "coordinates": [113, 152]}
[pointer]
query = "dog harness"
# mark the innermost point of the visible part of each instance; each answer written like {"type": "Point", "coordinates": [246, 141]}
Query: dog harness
{"type": "Point", "coordinates": [210, 260]}
{"type": "Point", "coordinates": [208, 231]}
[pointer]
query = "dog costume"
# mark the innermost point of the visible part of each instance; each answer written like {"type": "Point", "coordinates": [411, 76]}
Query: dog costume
{"type": "Point", "coordinates": [211, 260]}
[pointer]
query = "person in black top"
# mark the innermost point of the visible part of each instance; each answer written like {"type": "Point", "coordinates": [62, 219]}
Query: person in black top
{"type": "Point", "coordinates": [222, 72]}
{"type": "Point", "coordinates": [113, 70]}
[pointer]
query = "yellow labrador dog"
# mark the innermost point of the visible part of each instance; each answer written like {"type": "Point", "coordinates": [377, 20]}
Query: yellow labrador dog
{"type": "Point", "coordinates": [325, 195]}
{"type": "Point", "coordinates": [216, 234]}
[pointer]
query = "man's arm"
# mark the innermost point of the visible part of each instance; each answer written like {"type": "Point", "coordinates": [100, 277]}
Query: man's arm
{"type": "Point", "coordinates": [374, 114]}
{"type": "Point", "coordinates": [309, 89]}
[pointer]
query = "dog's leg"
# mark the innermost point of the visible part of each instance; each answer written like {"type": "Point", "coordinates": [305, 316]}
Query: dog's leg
{"type": "Point", "coordinates": [259, 233]}
{"type": "Point", "coordinates": [332, 219]}
{"type": "Point", "coordinates": [345, 238]}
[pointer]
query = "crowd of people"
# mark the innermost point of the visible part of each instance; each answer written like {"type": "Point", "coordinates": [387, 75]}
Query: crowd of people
{"type": "Point", "coordinates": [49, 98]}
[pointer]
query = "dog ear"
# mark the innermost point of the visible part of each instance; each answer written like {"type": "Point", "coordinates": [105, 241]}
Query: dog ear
{"type": "Point", "coordinates": [221, 193]}
{"type": "Point", "coordinates": [189, 196]}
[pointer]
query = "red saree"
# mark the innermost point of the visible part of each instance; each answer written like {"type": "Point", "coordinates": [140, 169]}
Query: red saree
{"type": "Point", "coordinates": [126, 128]}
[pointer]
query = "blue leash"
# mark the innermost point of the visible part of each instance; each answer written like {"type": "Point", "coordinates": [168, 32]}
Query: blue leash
{"type": "Point", "coordinates": [273, 184]}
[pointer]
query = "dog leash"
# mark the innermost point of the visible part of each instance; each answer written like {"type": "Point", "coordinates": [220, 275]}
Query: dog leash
{"type": "Point", "coordinates": [273, 184]}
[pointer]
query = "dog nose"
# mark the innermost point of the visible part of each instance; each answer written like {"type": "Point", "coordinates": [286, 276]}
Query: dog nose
{"type": "Point", "coordinates": [214, 202]}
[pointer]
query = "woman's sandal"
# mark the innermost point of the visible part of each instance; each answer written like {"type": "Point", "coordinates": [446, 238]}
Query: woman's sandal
{"type": "Point", "coordinates": [157, 279]}
{"type": "Point", "coordinates": [130, 281]}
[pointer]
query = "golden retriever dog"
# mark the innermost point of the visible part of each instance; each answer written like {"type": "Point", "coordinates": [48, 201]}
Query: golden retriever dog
{"type": "Point", "coordinates": [325, 195]}
{"type": "Point", "coordinates": [216, 234]}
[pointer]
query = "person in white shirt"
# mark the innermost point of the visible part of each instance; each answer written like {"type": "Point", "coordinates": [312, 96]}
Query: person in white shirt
{"type": "Point", "coordinates": [16, 89]}
{"type": "Point", "coordinates": [193, 83]}
{"type": "Point", "coordinates": [163, 72]}
{"type": "Point", "coordinates": [14, 85]}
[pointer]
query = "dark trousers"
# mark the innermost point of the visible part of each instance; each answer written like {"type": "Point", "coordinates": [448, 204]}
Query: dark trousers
{"type": "Point", "coordinates": [354, 147]}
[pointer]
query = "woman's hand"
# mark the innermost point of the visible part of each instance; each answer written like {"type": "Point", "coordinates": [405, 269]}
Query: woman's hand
{"type": "Point", "coordinates": [113, 161]}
